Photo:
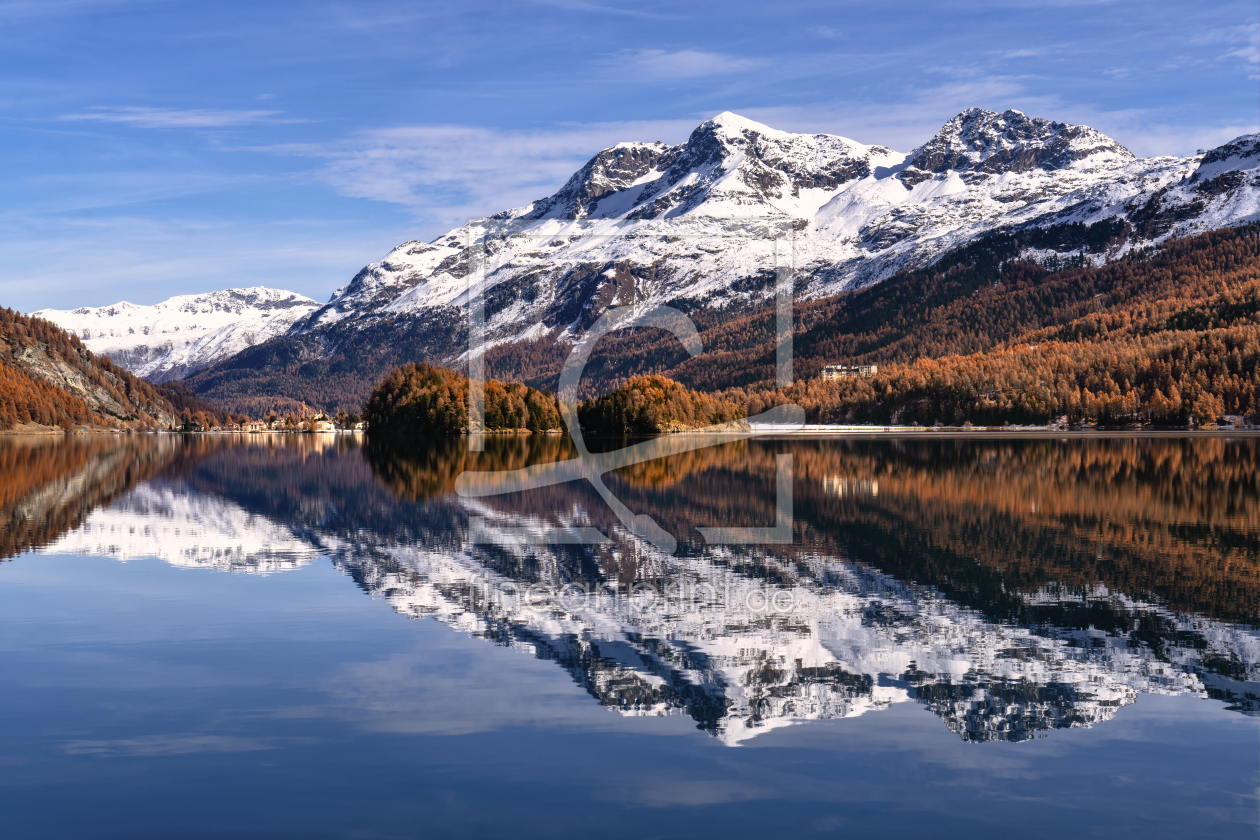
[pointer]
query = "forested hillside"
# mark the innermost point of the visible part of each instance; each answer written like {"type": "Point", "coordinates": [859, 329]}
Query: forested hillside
{"type": "Point", "coordinates": [1168, 337]}
{"type": "Point", "coordinates": [1160, 335]}
{"type": "Point", "coordinates": [989, 334]}
{"type": "Point", "coordinates": [284, 373]}
{"type": "Point", "coordinates": [48, 378]}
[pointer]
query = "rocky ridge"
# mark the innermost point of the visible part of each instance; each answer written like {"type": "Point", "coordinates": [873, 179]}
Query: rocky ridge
{"type": "Point", "coordinates": [49, 378]}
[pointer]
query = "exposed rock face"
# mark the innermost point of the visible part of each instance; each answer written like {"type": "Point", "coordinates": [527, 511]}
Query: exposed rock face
{"type": "Point", "coordinates": [378, 284]}
{"type": "Point", "coordinates": [610, 171]}
{"type": "Point", "coordinates": [51, 378]}
{"type": "Point", "coordinates": [982, 141]}
{"type": "Point", "coordinates": [727, 163]}
{"type": "Point", "coordinates": [1240, 154]}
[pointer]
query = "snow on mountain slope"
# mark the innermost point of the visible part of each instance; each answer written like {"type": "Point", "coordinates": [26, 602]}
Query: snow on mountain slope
{"type": "Point", "coordinates": [1238, 155]}
{"type": "Point", "coordinates": [981, 141]}
{"type": "Point", "coordinates": [170, 339]}
{"type": "Point", "coordinates": [376, 285]}
{"type": "Point", "coordinates": [733, 166]}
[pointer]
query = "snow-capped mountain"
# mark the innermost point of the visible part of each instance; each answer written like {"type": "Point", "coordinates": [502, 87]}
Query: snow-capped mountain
{"type": "Point", "coordinates": [169, 340]}
{"type": "Point", "coordinates": [711, 222]}
{"type": "Point", "coordinates": [646, 223]}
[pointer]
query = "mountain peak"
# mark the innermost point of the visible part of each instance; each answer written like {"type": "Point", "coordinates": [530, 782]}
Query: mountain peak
{"type": "Point", "coordinates": [1238, 155]}
{"type": "Point", "coordinates": [732, 121]}
{"type": "Point", "coordinates": [980, 140]}
{"type": "Point", "coordinates": [613, 170]}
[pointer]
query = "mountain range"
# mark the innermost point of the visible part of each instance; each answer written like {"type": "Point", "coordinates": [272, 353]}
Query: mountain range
{"type": "Point", "coordinates": [707, 225]}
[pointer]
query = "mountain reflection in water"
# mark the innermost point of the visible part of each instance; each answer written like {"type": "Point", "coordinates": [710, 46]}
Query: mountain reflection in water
{"type": "Point", "coordinates": [1012, 587]}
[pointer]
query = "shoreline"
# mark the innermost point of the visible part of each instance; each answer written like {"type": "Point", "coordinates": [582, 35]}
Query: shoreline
{"type": "Point", "coordinates": [755, 431]}
{"type": "Point", "coordinates": [55, 432]}
{"type": "Point", "coordinates": [988, 432]}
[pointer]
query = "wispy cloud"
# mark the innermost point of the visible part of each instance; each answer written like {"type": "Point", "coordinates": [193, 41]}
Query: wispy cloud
{"type": "Point", "coordinates": [166, 745]}
{"type": "Point", "coordinates": [600, 8]}
{"type": "Point", "coordinates": [94, 191]}
{"type": "Point", "coordinates": [1235, 41]}
{"type": "Point", "coordinates": [826, 32]}
{"type": "Point", "coordinates": [1146, 136]}
{"type": "Point", "coordinates": [680, 64]}
{"type": "Point", "coordinates": [448, 173]}
{"type": "Point", "coordinates": [175, 118]}
{"type": "Point", "coordinates": [1250, 51]}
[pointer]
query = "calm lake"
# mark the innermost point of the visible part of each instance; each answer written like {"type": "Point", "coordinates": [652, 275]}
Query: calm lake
{"type": "Point", "coordinates": [314, 636]}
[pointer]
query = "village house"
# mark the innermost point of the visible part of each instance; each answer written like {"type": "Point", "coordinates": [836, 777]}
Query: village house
{"type": "Point", "coordinates": [848, 371]}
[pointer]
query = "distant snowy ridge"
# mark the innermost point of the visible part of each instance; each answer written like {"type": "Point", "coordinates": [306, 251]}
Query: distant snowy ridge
{"type": "Point", "coordinates": [171, 339]}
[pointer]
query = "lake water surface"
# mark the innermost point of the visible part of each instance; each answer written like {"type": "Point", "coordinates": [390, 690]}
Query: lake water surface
{"type": "Point", "coordinates": [307, 636]}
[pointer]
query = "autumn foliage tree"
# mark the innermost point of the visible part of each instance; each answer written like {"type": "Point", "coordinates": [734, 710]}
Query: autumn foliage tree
{"type": "Point", "coordinates": [421, 398]}
{"type": "Point", "coordinates": [653, 405]}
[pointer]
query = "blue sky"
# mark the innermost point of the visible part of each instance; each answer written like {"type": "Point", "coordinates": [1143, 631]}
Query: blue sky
{"type": "Point", "coordinates": [157, 148]}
